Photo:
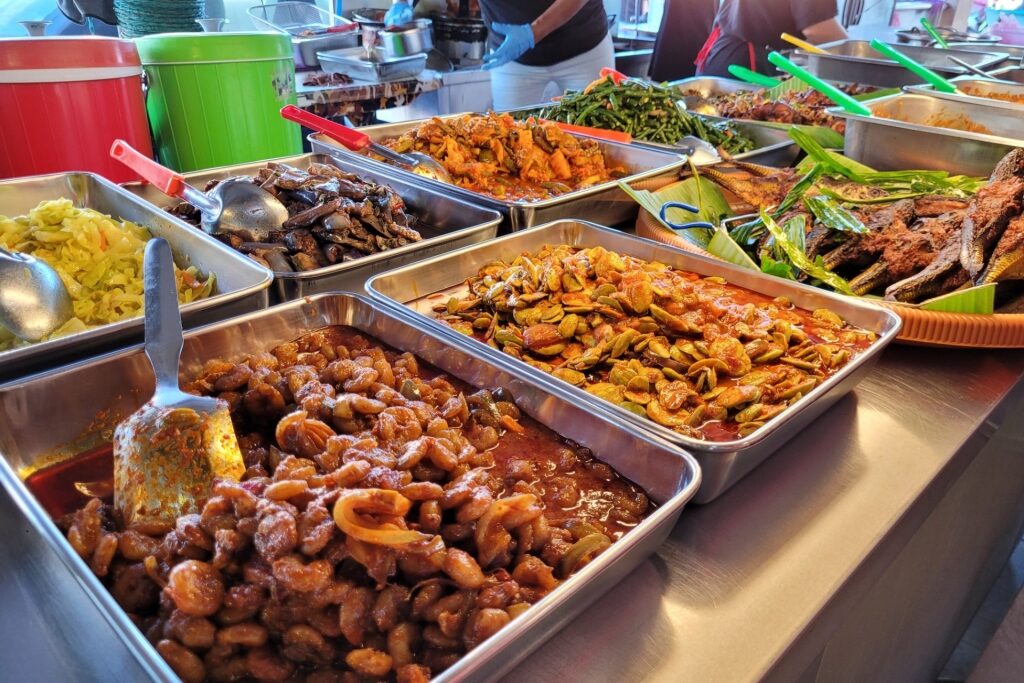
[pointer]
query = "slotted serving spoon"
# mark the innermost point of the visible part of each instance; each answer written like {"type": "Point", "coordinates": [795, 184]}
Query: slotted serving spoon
{"type": "Point", "coordinates": [828, 90]}
{"type": "Point", "coordinates": [918, 69]}
{"type": "Point", "coordinates": [33, 299]}
{"type": "Point", "coordinates": [234, 205]}
{"type": "Point", "coordinates": [357, 142]}
{"type": "Point", "coordinates": [168, 453]}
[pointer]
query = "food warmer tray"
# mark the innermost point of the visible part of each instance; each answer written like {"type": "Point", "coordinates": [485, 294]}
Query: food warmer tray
{"type": "Point", "coordinates": [709, 86]}
{"type": "Point", "coordinates": [447, 223]}
{"type": "Point", "coordinates": [891, 145]}
{"type": "Point", "coordinates": [241, 284]}
{"type": "Point", "coordinates": [119, 383]}
{"type": "Point", "coordinates": [294, 18]}
{"type": "Point", "coordinates": [1015, 52]}
{"type": "Point", "coordinates": [855, 61]}
{"type": "Point", "coordinates": [607, 202]}
{"type": "Point", "coordinates": [985, 85]}
{"type": "Point", "coordinates": [353, 62]}
{"type": "Point", "coordinates": [1012, 74]}
{"type": "Point", "coordinates": [722, 463]}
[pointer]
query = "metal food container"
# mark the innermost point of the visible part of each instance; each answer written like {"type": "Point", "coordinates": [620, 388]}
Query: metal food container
{"type": "Point", "coordinates": [1013, 74]}
{"type": "Point", "coordinates": [722, 463]}
{"type": "Point", "coordinates": [706, 87]}
{"type": "Point", "coordinates": [241, 284]}
{"type": "Point", "coordinates": [1015, 52]}
{"type": "Point", "coordinates": [772, 144]}
{"type": "Point", "coordinates": [855, 61]}
{"type": "Point", "coordinates": [118, 384]}
{"type": "Point", "coordinates": [294, 18]}
{"type": "Point", "coordinates": [446, 224]}
{"type": "Point", "coordinates": [986, 86]}
{"type": "Point", "coordinates": [353, 61]}
{"type": "Point", "coordinates": [891, 145]}
{"type": "Point", "coordinates": [606, 201]}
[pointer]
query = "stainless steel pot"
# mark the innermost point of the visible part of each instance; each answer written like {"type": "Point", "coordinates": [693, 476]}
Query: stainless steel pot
{"type": "Point", "coordinates": [403, 41]}
{"type": "Point", "coordinates": [460, 39]}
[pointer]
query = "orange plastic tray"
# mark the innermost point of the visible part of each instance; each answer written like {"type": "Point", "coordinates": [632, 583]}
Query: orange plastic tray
{"type": "Point", "coordinates": [927, 328]}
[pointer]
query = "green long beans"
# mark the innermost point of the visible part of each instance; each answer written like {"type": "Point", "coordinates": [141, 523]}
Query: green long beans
{"type": "Point", "coordinates": [646, 111]}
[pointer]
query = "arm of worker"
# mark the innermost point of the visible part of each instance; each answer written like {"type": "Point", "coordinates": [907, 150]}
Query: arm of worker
{"type": "Point", "coordinates": [519, 38]}
{"type": "Point", "coordinates": [824, 31]}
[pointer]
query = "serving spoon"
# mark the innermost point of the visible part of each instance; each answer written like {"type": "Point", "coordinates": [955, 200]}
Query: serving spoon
{"type": "Point", "coordinates": [357, 142]}
{"type": "Point", "coordinates": [234, 205]}
{"type": "Point", "coordinates": [168, 453]}
{"type": "Point", "coordinates": [33, 299]}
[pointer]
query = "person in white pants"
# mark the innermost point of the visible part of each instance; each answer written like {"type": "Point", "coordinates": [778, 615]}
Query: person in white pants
{"type": "Point", "coordinates": [537, 42]}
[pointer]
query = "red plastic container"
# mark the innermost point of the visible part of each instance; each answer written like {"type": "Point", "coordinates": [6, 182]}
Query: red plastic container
{"type": "Point", "coordinates": [63, 101]}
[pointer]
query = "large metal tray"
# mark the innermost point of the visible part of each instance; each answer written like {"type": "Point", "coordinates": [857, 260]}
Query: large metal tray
{"type": "Point", "coordinates": [241, 284]}
{"type": "Point", "coordinates": [1013, 74]}
{"type": "Point", "coordinates": [352, 61]}
{"type": "Point", "coordinates": [119, 383]}
{"type": "Point", "coordinates": [722, 463]}
{"type": "Point", "coordinates": [295, 17]}
{"type": "Point", "coordinates": [446, 223]}
{"type": "Point", "coordinates": [855, 61]}
{"type": "Point", "coordinates": [709, 86]}
{"type": "Point", "coordinates": [605, 202]}
{"type": "Point", "coordinates": [891, 145]}
{"type": "Point", "coordinates": [983, 85]}
{"type": "Point", "coordinates": [1015, 52]}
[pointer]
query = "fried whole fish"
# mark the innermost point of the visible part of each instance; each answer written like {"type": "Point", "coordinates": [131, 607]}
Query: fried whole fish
{"type": "Point", "coordinates": [990, 211]}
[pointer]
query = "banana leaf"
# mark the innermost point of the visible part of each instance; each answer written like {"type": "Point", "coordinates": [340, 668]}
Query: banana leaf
{"type": "Point", "coordinates": [724, 247]}
{"type": "Point", "coordinates": [800, 259]}
{"type": "Point", "coordinates": [980, 299]}
{"type": "Point", "coordinates": [696, 191]}
{"type": "Point", "coordinates": [833, 216]}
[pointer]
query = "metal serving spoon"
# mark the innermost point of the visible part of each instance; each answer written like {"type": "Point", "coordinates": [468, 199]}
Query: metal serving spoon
{"type": "Point", "coordinates": [357, 141]}
{"type": "Point", "coordinates": [168, 452]}
{"type": "Point", "coordinates": [700, 151]}
{"type": "Point", "coordinates": [234, 205]}
{"type": "Point", "coordinates": [33, 299]}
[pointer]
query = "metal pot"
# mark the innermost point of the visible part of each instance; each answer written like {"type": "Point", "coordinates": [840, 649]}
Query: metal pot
{"type": "Point", "coordinates": [405, 40]}
{"type": "Point", "coordinates": [460, 39]}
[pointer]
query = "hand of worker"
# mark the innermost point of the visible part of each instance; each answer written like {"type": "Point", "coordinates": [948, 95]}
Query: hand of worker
{"type": "Point", "coordinates": [400, 13]}
{"type": "Point", "coordinates": [518, 39]}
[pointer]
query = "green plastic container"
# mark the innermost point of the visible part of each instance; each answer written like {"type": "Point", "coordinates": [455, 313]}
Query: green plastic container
{"type": "Point", "coordinates": [214, 98]}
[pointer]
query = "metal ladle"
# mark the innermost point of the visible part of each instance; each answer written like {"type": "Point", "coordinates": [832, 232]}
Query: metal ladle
{"type": "Point", "coordinates": [234, 205]}
{"type": "Point", "coordinates": [168, 453]}
{"type": "Point", "coordinates": [356, 141]}
{"type": "Point", "coordinates": [33, 299]}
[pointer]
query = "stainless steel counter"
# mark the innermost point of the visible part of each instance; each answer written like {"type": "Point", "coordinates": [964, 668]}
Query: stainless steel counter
{"type": "Point", "coordinates": [857, 552]}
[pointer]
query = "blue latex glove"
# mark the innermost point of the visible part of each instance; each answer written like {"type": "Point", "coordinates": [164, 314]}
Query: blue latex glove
{"type": "Point", "coordinates": [400, 13]}
{"type": "Point", "coordinates": [518, 39]}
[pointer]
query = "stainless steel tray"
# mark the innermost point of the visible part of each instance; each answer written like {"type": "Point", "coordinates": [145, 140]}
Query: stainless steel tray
{"type": "Point", "coordinates": [605, 202]}
{"type": "Point", "coordinates": [722, 463]}
{"type": "Point", "coordinates": [446, 223]}
{"type": "Point", "coordinates": [241, 284]}
{"type": "Point", "coordinates": [983, 85]}
{"type": "Point", "coordinates": [709, 86]}
{"type": "Point", "coordinates": [855, 61]}
{"type": "Point", "coordinates": [1015, 52]}
{"type": "Point", "coordinates": [78, 393]}
{"type": "Point", "coordinates": [295, 17]}
{"type": "Point", "coordinates": [891, 145]}
{"type": "Point", "coordinates": [352, 62]}
{"type": "Point", "coordinates": [1012, 74]}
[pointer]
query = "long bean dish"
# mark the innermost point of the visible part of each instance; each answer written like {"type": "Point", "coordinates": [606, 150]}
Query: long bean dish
{"type": "Point", "coordinates": [507, 159]}
{"type": "Point", "coordinates": [701, 357]}
{"type": "Point", "coordinates": [388, 522]}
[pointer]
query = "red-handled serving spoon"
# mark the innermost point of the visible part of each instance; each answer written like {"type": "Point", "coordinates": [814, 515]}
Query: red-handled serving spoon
{"type": "Point", "coordinates": [357, 142]}
{"type": "Point", "coordinates": [234, 205]}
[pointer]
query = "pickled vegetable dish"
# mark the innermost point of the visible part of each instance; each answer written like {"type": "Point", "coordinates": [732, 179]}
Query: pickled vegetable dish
{"type": "Point", "coordinates": [99, 259]}
{"type": "Point", "coordinates": [704, 358]}
{"type": "Point", "coordinates": [389, 521]}
{"type": "Point", "coordinates": [507, 159]}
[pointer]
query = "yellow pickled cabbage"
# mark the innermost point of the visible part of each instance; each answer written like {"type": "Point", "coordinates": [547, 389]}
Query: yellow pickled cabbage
{"type": "Point", "coordinates": [99, 259]}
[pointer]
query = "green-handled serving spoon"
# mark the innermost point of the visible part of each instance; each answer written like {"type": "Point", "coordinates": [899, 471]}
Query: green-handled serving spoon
{"type": "Point", "coordinates": [939, 40]}
{"type": "Point", "coordinates": [748, 76]}
{"type": "Point", "coordinates": [830, 91]}
{"type": "Point", "coordinates": [934, 79]}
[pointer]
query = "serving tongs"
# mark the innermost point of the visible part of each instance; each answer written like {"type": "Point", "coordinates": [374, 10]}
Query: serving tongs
{"type": "Point", "coordinates": [169, 452]}
{"type": "Point", "coordinates": [356, 141]}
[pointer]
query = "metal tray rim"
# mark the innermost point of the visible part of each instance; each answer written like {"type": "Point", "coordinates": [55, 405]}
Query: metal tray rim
{"type": "Point", "coordinates": [371, 259]}
{"type": "Point", "coordinates": [146, 654]}
{"type": "Point", "coordinates": [994, 57]}
{"type": "Point", "coordinates": [947, 132]}
{"type": "Point", "coordinates": [122, 326]}
{"type": "Point", "coordinates": [930, 91]}
{"type": "Point", "coordinates": [885, 336]}
{"type": "Point", "coordinates": [672, 161]}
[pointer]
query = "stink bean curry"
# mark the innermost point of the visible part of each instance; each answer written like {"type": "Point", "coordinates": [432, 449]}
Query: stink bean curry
{"type": "Point", "coordinates": [507, 159]}
{"type": "Point", "coordinates": [704, 358]}
{"type": "Point", "coordinates": [389, 521]}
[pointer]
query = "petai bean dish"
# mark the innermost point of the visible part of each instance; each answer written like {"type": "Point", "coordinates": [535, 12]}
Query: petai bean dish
{"type": "Point", "coordinates": [704, 358]}
{"type": "Point", "coordinates": [388, 522]}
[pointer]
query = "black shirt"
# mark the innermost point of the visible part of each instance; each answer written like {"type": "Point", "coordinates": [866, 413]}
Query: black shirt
{"type": "Point", "coordinates": [578, 35]}
{"type": "Point", "coordinates": [761, 22]}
